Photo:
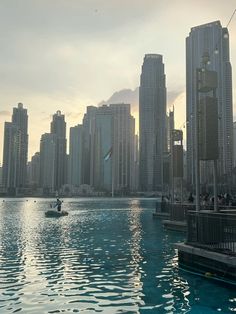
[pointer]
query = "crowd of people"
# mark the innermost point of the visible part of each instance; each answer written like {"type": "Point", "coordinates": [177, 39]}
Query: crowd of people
{"type": "Point", "coordinates": [206, 199]}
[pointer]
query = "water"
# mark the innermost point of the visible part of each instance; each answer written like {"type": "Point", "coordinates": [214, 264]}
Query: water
{"type": "Point", "coordinates": [107, 256]}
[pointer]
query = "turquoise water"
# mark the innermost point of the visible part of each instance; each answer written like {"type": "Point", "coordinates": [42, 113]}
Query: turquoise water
{"type": "Point", "coordinates": [107, 256]}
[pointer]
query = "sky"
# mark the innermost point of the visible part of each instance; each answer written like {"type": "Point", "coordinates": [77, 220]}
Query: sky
{"type": "Point", "coordinates": [68, 54]}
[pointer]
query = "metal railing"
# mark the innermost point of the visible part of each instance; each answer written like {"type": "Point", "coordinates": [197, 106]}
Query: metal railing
{"type": "Point", "coordinates": [163, 207]}
{"type": "Point", "coordinates": [178, 212]}
{"type": "Point", "coordinates": [212, 230]}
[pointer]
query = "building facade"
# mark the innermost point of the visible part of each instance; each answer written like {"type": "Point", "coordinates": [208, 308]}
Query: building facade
{"type": "Point", "coordinates": [88, 145]}
{"type": "Point", "coordinates": [75, 156]}
{"type": "Point", "coordinates": [48, 151]}
{"type": "Point", "coordinates": [15, 151]}
{"type": "Point", "coordinates": [152, 123]}
{"type": "Point", "coordinates": [20, 119]}
{"type": "Point", "coordinates": [211, 39]}
{"type": "Point", "coordinates": [58, 128]}
{"type": "Point", "coordinates": [102, 143]}
{"type": "Point", "coordinates": [123, 148]}
{"type": "Point", "coordinates": [11, 148]}
{"type": "Point", "coordinates": [34, 170]}
{"type": "Point", "coordinates": [109, 130]}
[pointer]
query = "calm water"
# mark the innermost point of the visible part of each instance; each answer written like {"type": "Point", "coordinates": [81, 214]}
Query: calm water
{"type": "Point", "coordinates": [107, 256]}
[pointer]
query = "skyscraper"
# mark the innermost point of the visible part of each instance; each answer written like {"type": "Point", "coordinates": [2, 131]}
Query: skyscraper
{"type": "Point", "coordinates": [75, 155]}
{"type": "Point", "coordinates": [152, 123]}
{"type": "Point", "coordinates": [88, 145]}
{"type": "Point", "coordinates": [123, 148]}
{"type": "Point", "coordinates": [34, 170]}
{"type": "Point", "coordinates": [58, 128]}
{"type": "Point", "coordinates": [48, 150]}
{"type": "Point", "coordinates": [234, 144]}
{"type": "Point", "coordinates": [109, 129]}
{"type": "Point", "coordinates": [212, 39]}
{"type": "Point", "coordinates": [15, 150]}
{"type": "Point", "coordinates": [20, 119]}
{"type": "Point", "coordinates": [102, 144]}
{"type": "Point", "coordinates": [10, 157]}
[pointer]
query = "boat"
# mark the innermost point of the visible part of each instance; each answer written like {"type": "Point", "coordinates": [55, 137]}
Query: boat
{"type": "Point", "coordinates": [54, 213]}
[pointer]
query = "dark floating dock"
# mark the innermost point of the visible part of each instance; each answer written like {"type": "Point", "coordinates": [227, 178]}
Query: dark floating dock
{"type": "Point", "coordinates": [210, 247]}
{"type": "Point", "coordinates": [212, 265]}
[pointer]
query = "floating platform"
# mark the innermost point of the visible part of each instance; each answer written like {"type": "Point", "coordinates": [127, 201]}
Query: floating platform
{"type": "Point", "coordinates": [161, 215]}
{"type": "Point", "coordinates": [210, 264]}
{"type": "Point", "coordinates": [54, 213]}
{"type": "Point", "coordinates": [175, 225]}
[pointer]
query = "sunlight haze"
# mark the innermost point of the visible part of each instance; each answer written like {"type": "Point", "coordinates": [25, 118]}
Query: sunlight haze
{"type": "Point", "coordinates": [66, 55]}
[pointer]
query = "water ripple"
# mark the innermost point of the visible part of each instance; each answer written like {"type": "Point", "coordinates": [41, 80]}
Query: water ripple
{"type": "Point", "coordinates": [106, 257]}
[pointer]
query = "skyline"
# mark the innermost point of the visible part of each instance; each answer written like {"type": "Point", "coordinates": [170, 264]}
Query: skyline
{"type": "Point", "coordinates": [43, 63]}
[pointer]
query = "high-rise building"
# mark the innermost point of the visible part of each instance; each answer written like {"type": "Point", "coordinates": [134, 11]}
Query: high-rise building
{"type": "Point", "coordinates": [15, 150]}
{"type": "Point", "coordinates": [0, 175]}
{"type": "Point", "coordinates": [123, 148]}
{"type": "Point", "coordinates": [102, 145]}
{"type": "Point", "coordinates": [48, 151]}
{"type": "Point", "coordinates": [58, 128]}
{"type": "Point", "coordinates": [88, 145]}
{"type": "Point", "coordinates": [11, 148]}
{"type": "Point", "coordinates": [152, 123]}
{"type": "Point", "coordinates": [234, 144]}
{"type": "Point", "coordinates": [34, 170]}
{"type": "Point", "coordinates": [75, 155]}
{"type": "Point", "coordinates": [136, 163]}
{"type": "Point", "coordinates": [213, 40]}
{"type": "Point", "coordinates": [170, 125]}
{"type": "Point", "coordinates": [20, 119]}
{"type": "Point", "coordinates": [109, 131]}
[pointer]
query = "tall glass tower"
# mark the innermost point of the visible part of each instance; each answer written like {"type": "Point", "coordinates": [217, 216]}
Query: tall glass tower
{"type": "Point", "coordinates": [15, 152]}
{"type": "Point", "coordinates": [152, 123]}
{"type": "Point", "coordinates": [58, 128]}
{"type": "Point", "coordinates": [20, 119]}
{"type": "Point", "coordinates": [211, 39]}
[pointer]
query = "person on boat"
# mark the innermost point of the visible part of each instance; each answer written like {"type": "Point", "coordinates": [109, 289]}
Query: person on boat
{"type": "Point", "coordinates": [58, 204]}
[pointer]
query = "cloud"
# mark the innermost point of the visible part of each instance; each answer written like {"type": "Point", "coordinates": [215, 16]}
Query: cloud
{"type": "Point", "coordinates": [67, 54]}
{"type": "Point", "coordinates": [5, 113]}
{"type": "Point", "coordinates": [132, 97]}
{"type": "Point", "coordinates": [172, 96]}
{"type": "Point", "coordinates": [73, 115]}
{"type": "Point", "coordinates": [127, 96]}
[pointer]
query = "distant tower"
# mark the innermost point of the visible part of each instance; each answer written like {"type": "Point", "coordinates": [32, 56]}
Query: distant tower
{"type": "Point", "coordinates": [123, 148]}
{"type": "Point", "coordinates": [34, 170]}
{"type": "Point", "coordinates": [170, 126]}
{"type": "Point", "coordinates": [234, 143]}
{"type": "Point", "coordinates": [48, 150]}
{"type": "Point", "coordinates": [152, 123]}
{"type": "Point", "coordinates": [15, 150]}
{"type": "Point", "coordinates": [103, 141]}
{"type": "Point", "coordinates": [75, 155]}
{"type": "Point", "coordinates": [88, 145]}
{"type": "Point", "coordinates": [212, 39]}
{"type": "Point", "coordinates": [109, 128]}
{"type": "Point", "coordinates": [10, 157]}
{"type": "Point", "coordinates": [58, 128]}
{"type": "Point", "coordinates": [20, 119]}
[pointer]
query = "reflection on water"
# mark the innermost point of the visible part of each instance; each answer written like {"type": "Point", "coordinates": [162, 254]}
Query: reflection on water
{"type": "Point", "coordinates": [107, 256]}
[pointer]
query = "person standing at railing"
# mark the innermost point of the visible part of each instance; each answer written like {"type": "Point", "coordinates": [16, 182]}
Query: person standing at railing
{"type": "Point", "coordinates": [191, 198]}
{"type": "Point", "coordinates": [227, 199]}
{"type": "Point", "coordinates": [206, 199]}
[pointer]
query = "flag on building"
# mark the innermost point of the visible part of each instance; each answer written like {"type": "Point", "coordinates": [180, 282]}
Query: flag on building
{"type": "Point", "coordinates": [108, 154]}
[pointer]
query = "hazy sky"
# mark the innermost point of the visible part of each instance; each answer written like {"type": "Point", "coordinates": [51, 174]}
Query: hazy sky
{"type": "Point", "coordinates": [67, 54]}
